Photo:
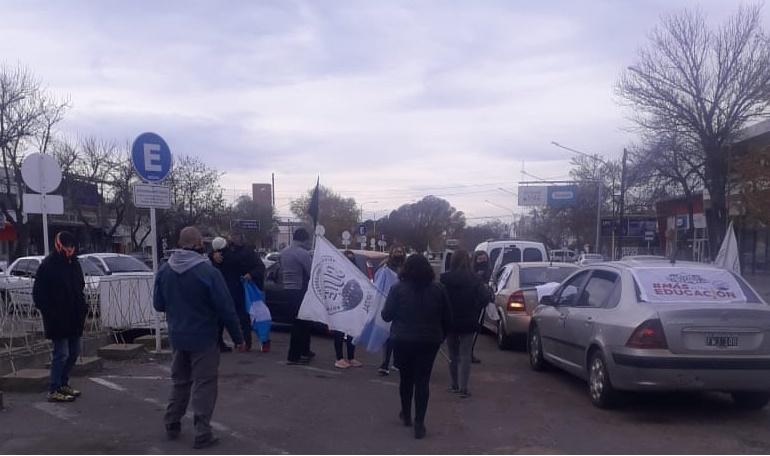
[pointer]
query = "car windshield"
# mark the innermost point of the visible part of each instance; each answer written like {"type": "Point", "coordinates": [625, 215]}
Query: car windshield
{"type": "Point", "coordinates": [118, 264]}
{"type": "Point", "coordinates": [90, 269]}
{"type": "Point", "coordinates": [530, 277]}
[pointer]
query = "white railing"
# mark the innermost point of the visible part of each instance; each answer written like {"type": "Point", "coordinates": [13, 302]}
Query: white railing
{"type": "Point", "coordinates": [115, 303]}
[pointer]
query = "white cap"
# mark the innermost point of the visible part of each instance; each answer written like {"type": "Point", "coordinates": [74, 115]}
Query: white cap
{"type": "Point", "coordinates": [218, 243]}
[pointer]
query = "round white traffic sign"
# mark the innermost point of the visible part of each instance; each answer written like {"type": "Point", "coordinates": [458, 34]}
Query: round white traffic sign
{"type": "Point", "coordinates": [41, 173]}
{"type": "Point", "coordinates": [346, 235]}
{"type": "Point", "coordinates": [320, 230]}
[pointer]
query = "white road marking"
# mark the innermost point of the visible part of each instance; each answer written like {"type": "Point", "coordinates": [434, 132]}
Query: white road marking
{"type": "Point", "coordinates": [107, 383]}
{"type": "Point", "coordinates": [57, 410]}
{"type": "Point", "coordinates": [137, 377]}
{"type": "Point", "coordinates": [383, 382]}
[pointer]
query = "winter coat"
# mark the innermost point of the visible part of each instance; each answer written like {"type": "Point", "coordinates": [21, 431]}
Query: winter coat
{"type": "Point", "coordinates": [418, 314]}
{"type": "Point", "coordinates": [467, 297]}
{"type": "Point", "coordinates": [195, 298]}
{"type": "Point", "coordinates": [58, 294]}
{"type": "Point", "coordinates": [238, 261]}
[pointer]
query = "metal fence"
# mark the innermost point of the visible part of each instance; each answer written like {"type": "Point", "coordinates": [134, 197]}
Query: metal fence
{"type": "Point", "coordinates": [116, 303]}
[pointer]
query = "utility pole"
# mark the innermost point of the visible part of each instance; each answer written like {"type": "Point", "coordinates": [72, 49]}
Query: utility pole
{"type": "Point", "coordinates": [622, 201]}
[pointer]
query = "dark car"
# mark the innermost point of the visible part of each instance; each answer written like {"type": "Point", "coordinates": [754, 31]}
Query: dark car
{"type": "Point", "coordinates": [276, 299]}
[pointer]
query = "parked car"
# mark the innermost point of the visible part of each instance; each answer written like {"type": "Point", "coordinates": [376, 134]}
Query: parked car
{"type": "Point", "coordinates": [589, 258]}
{"type": "Point", "coordinates": [115, 263]}
{"type": "Point", "coordinates": [276, 299]}
{"type": "Point", "coordinates": [653, 326]}
{"type": "Point", "coordinates": [563, 255]}
{"type": "Point", "coordinates": [516, 297]}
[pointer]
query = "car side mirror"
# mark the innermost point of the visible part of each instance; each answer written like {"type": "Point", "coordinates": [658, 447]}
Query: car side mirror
{"type": "Point", "coordinates": [547, 300]}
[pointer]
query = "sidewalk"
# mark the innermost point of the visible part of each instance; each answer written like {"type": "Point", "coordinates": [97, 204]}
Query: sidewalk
{"type": "Point", "coordinates": [761, 283]}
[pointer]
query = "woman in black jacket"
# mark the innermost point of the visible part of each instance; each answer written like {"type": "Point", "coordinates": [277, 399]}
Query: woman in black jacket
{"type": "Point", "coordinates": [467, 297]}
{"type": "Point", "coordinates": [419, 311]}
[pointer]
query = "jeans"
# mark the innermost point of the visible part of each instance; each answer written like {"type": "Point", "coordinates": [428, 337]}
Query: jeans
{"type": "Point", "coordinates": [386, 354]}
{"type": "Point", "coordinates": [460, 351]}
{"type": "Point", "coordinates": [340, 337]}
{"type": "Point", "coordinates": [65, 354]}
{"type": "Point", "coordinates": [415, 363]}
{"type": "Point", "coordinates": [194, 377]}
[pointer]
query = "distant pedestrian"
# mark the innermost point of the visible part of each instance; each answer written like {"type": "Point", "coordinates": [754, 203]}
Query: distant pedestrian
{"type": "Point", "coordinates": [341, 338]}
{"type": "Point", "coordinates": [420, 314]}
{"type": "Point", "coordinates": [194, 297]}
{"type": "Point", "coordinates": [238, 261]}
{"type": "Point", "coordinates": [58, 294]}
{"type": "Point", "coordinates": [384, 279]}
{"type": "Point", "coordinates": [295, 272]}
{"type": "Point", "coordinates": [467, 297]}
{"type": "Point", "coordinates": [483, 271]}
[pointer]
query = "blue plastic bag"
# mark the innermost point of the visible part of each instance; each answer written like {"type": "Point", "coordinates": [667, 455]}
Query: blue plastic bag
{"type": "Point", "coordinates": [261, 320]}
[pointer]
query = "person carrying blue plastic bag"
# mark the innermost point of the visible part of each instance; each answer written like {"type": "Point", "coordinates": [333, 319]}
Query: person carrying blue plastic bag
{"type": "Point", "coordinates": [261, 320]}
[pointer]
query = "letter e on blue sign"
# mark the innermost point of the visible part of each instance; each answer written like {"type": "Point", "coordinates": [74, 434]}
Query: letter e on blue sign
{"type": "Point", "coordinates": [151, 157]}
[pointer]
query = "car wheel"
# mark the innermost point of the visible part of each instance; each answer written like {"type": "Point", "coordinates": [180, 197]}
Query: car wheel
{"type": "Point", "coordinates": [603, 395]}
{"type": "Point", "coordinates": [535, 350]}
{"type": "Point", "coordinates": [751, 400]}
{"type": "Point", "coordinates": [503, 341]}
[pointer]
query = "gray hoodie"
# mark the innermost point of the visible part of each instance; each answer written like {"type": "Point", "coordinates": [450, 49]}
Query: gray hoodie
{"type": "Point", "coordinates": [183, 260]}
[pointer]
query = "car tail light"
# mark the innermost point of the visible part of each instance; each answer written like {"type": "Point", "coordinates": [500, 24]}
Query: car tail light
{"type": "Point", "coordinates": [370, 270]}
{"type": "Point", "coordinates": [648, 335]}
{"type": "Point", "coordinates": [516, 302]}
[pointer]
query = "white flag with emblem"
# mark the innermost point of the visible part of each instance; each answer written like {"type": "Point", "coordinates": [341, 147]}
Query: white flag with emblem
{"type": "Point", "coordinates": [339, 294]}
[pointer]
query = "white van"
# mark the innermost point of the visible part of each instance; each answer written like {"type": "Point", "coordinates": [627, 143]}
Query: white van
{"type": "Point", "coordinates": [512, 251]}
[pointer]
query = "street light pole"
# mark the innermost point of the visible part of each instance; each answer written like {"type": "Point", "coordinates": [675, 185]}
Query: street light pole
{"type": "Point", "coordinates": [599, 188]}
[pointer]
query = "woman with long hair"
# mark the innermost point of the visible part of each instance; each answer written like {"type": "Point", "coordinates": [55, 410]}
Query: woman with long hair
{"type": "Point", "coordinates": [420, 314]}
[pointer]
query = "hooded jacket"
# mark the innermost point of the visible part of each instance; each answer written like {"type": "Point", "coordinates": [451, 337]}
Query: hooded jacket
{"type": "Point", "coordinates": [58, 294]}
{"type": "Point", "coordinates": [467, 296]}
{"type": "Point", "coordinates": [238, 261]}
{"type": "Point", "coordinates": [194, 296]}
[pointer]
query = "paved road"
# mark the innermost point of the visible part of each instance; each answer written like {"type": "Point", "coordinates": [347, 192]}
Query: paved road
{"type": "Point", "coordinates": [268, 407]}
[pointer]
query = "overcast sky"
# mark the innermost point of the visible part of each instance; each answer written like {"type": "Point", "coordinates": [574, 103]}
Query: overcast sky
{"type": "Point", "coordinates": [388, 101]}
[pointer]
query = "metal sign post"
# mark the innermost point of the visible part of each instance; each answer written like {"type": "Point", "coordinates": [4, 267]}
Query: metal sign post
{"type": "Point", "coordinates": [152, 161]}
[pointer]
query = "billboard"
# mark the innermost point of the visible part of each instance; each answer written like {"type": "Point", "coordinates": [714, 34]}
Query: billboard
{"type": "Point", "coordinates": [547, 195]}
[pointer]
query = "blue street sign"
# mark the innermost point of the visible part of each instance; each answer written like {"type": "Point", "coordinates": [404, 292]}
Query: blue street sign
{"type": "Point", "coordinates": [362, 229]}
{"type": "Point", "coordinates": [562, 195]}
{"type": "Point", "coordinates": [151, 157]}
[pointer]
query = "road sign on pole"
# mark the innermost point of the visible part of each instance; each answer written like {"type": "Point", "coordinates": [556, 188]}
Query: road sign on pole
{"type": "Point", "coordinates": [152, 161]}
{"type": "Point", "coordinates": [42, 174]}
{"type": "Point", "coordinates": [152, 196]}
{"type": "Point", "coordinates": [362, 229]}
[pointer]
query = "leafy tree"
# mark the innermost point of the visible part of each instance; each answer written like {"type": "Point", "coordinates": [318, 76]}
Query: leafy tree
{"type": "Point", "coordinates": [471, 236]}
{"type": "Point", "coordinates": [336, 213]}
{"type": "Point", "coordinates": [754, 171]}
{"type": "Point", "coordinates": [246, 208]}
{"type": "Point", "coordinates": [424, 224]}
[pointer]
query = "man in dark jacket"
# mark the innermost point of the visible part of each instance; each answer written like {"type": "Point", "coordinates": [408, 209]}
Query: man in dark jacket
{"type": "Point", "coordinates": [58, 294]}
{"type": "Point", "coordinates": [194, 297]}
{"type": "Point", "coordinates": [236, 262]}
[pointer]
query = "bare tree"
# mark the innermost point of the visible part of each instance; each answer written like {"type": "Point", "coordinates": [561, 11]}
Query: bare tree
{"type": "Point", "coordinates": [705, 85]}
{"type": "Point", "coordinates": [28, 116]}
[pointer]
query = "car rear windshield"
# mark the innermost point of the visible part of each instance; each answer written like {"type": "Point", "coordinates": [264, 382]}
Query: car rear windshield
{"type": "Point", "coordinates": [90, 269]}
{"type": "Point", "coordinates": [531, 277]}
{"type": "Point", "coordinates": [691, 284]}
{"type": "Point", "coordinates": [125, 264]}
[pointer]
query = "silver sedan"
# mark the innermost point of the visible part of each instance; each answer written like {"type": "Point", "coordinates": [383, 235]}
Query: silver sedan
{"type": "Point", "coordinates": [653, 326]}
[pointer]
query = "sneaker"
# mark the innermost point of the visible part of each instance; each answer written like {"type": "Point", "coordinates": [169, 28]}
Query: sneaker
{"type": "Point", "coordinates": [454, 389]}
{"type": "Point", "coordinates": [383, 371]}
{"type": "Point", "coordinates": [341, 364]}
{"type": "Point", "coordinates": [173, 430]}
{"type": "Point", "coordinates": [225, 349]}
{"type": "Point", "coordinates": [56, 396]}
{"type": "Point", "coordinates": [204, 442]}
{"type": "Point", "coordinates": [465, 394]}
{"type": "Point", "coordinates": [266, 346]}
{"type": "Point", "coordinates": [419, 430]}
{"type": "Point", "coordinates": [309, 355]}
{"type": "Point", "coordinates": [69, 391]}
{"type": "Point", "coordinates": [355, 363]}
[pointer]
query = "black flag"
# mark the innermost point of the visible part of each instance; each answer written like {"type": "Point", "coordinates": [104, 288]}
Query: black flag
{"type": "Point", "coordinates": [313, 208]}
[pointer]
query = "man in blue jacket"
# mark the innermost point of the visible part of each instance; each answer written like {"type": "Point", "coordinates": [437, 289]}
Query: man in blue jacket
{"type": "Point", "coordinates": [195, 298]}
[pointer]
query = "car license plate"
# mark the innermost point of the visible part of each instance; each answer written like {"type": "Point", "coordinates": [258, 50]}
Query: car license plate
{"type": "Point", "coordinates": [721, 340]}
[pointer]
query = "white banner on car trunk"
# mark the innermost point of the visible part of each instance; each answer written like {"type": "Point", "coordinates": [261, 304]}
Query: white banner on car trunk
{"type": "Point", "coordinates": [339, 294]}
{"type": "Point", "coordinates": [671, 284]}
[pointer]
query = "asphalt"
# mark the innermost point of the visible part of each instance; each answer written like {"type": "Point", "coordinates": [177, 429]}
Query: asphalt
{"type": "Point", "coordinates": [266, 406]}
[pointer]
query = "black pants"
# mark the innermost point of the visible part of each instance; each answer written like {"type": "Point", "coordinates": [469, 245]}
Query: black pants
{"type": "Point", "coordinates": [415, 363]}
{"type": "Point", "coordinates": [245, 320]}
{"type": "Point", "coordinates": [340, 337]}
{"type": "Point", "coordinates": [387, 352]}
{"type": "Point", "coordinates": [299, 343]}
